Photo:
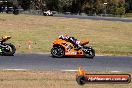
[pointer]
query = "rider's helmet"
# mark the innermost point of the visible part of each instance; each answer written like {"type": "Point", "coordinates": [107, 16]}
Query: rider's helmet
{"type": "Point", "coordinates": [61, 36]}
{"type": "Point", "coordinates": [6, 37]}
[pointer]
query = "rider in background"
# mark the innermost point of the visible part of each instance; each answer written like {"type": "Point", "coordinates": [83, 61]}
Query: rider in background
{"type": "Point", "coordinates": [71, 39]}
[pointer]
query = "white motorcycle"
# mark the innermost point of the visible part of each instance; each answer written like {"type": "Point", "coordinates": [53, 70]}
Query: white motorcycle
{"type": "Point", "coordinates": [47, 13]}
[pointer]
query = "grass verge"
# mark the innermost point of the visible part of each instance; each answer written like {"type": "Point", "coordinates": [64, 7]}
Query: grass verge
{"type": "Point", "coordinates": [128, 15]}
{"type": "Point", "coordinates": [47, 79]}
{"type": "Point", "coordinates": [106, 37]}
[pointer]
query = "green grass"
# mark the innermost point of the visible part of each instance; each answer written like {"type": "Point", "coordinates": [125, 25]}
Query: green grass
{"type": "Point", "coordinates": [106, 37]}
{"type": "Point", "coordinates": [47, 79]}
{"type": "Point", "coordinates": [128, 15]}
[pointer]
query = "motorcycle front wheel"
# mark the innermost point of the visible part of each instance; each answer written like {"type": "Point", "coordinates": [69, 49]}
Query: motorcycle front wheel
{"type": "Point", "coordinates": [89, 52]}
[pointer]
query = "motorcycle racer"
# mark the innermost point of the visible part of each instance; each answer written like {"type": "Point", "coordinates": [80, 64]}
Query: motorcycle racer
{"type": "Point", "coordinates": [69, 46]}
{"type": "Point", "coordinates": [72, 40]}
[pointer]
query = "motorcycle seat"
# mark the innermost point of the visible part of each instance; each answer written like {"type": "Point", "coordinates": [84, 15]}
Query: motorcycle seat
{"type": "Point", "coordinates": [84, 42]}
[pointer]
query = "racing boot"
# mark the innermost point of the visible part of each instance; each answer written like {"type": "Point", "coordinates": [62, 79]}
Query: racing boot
{"type": "Point", "coordinates": [78, 47]}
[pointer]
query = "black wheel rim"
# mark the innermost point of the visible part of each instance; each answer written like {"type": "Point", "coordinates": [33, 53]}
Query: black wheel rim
{"type": "Point", "coordinates": [8, 49]}
{"type": "Point", "coordinates": [58, 52]}
{"type": "Point", "coordinates": [90, 53]}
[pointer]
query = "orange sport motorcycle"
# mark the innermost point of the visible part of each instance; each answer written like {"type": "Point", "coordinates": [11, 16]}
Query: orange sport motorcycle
{"type": "Point", "coordinates": [63, 48]}
{"type": "Point", "coordinates": [6, 49]}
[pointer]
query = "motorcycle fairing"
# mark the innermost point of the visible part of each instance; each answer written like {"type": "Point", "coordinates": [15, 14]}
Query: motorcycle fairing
{"type": "Point", "coordinates": [66, 45]}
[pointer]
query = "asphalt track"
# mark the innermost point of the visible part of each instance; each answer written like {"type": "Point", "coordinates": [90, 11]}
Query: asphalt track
{"type": "Point", "coordinates": [46, 62]}
{"type": "Point", "coordinates": [96, 18]}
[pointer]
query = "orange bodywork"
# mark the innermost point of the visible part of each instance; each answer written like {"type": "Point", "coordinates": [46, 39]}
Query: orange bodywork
{"type": "Point", "coordinates": [71, 52]}
{"type": "Point", "coordinates": [81, 71]}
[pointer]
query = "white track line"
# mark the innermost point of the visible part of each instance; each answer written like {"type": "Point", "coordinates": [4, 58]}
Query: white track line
{"type": "Point", "coordinates": [116, 71]}
{"type": "Point", "coordinates": [14, 69]}
{"type": "Point", "coordinates": [69, 70]}
{"type": "Point", "coordinates": [77, 70]}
